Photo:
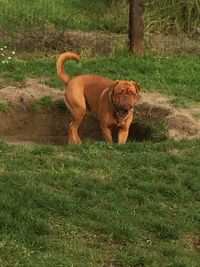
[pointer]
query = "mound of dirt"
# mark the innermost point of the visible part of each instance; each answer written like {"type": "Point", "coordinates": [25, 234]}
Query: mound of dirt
{"type": "Point", "coordinates": [180, 123]}
{"type": "Point", "coordinates": [30, 119]}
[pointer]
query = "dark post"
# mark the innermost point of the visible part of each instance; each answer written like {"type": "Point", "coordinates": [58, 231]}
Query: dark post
{"type": "Point", "coordinates": [136, 26]}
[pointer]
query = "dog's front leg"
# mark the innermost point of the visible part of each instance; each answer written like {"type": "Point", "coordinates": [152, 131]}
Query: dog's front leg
{"type": "Point", "coordinates": [124, 130]}
{"type": "Point", "coordinates": [107, 134]}
{"type": "Point", "coordinates": [122, 135]}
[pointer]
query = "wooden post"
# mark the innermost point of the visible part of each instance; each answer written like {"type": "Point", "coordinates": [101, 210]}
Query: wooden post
{"type": "Point", "coordinates": [136, 26]}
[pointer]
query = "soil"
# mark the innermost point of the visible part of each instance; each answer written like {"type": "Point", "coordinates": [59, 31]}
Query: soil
{"type": "Point", "coordinates": [95, 43]}
{"type": "Point", "coordinates": [193, 242]}
{"type": "Point", "coordinates": [28, 122]}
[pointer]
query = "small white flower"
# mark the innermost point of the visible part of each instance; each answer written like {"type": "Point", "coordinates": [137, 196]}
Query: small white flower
{"type": "Point", "coordinates": [5, 46]}
{"type": "Point", "coordinates": [9, 58]}
{"type": "Point", "coordinates": [3, 54]}
{"type": "Point", "coordinates": [1, 48]}
{"type": "Point", "coordinates": [4, 61]}
{"type": "Point", "coordinates": [13, 52]}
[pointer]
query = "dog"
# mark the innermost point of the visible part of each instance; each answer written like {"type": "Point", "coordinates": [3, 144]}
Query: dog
{"type": "Point", "coordinates": [111, 101]}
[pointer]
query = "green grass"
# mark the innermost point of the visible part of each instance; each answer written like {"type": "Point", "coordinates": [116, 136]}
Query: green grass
{"type": "Point", "coordinates": [100, 205]}
{"type": "Point", "coordinates": [197, 116]}
{"type": "Point", "coordinates": [167, 16]}
{"type": "Point", "coordinates": [73, 14]}
{"type": "Point", "coordinates": [46, 102]}
{"type": "Point", "coordinates": [4, 106]}
{"type": "Point", "coordinates": [173, 75]}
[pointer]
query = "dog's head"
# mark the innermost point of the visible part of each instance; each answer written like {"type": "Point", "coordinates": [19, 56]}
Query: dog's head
{"type": "Point", "coordinates": [124, 95]}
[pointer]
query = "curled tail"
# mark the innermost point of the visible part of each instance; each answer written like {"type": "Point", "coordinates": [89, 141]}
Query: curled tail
{"type": "Point", "coordinates": [60, 65]}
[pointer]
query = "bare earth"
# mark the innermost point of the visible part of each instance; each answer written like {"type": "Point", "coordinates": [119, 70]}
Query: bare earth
{"type": "Point", "coordinates": [23, 125]}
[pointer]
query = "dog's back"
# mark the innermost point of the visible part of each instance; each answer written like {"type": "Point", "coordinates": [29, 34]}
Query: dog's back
{"type": "Point", "coordinates": [91, 86]}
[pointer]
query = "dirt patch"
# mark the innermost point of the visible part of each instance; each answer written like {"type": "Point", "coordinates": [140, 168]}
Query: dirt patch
{"type": "Point", "coordinates": [180, 43]}
{"type": "Point", "coordinates": [95, 43]}
{"type": "Point", "coordinates": [31, 120]}
{"type": "Point", "coordinates": [193, 243]}
{"type": "Point", "coordinates": [180, 123]}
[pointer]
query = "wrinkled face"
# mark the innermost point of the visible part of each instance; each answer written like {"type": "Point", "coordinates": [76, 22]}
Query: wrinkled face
{"type": "Point", "coordinates": [125, 95]}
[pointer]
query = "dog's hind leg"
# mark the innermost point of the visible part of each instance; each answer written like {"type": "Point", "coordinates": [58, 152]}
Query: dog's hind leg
{"type": "Point", "coordinates": [75, 102]}
{"type": "Point", "coordinates": [77, 116]}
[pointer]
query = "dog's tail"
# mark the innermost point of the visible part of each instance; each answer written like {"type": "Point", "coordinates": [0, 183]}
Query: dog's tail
{"type": "Point", "coordinates": [60, 65]}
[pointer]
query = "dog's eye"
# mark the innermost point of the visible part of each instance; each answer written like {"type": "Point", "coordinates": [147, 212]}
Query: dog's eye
{"type": "Point", "coordinates": [133, 94]}
{"type": "Point", "coordinates": [130, 93]}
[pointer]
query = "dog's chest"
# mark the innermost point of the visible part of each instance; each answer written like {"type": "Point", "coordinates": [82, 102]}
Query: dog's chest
{"type": "Point", "coordinates": [121, 119]}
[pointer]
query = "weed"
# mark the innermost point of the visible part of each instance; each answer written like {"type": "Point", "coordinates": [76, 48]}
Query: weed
{"type": "Point", "coordinates": [5, 55]}
{"type": "Point", "coordinates": [86, 53]}
{"type": "Point", "coordinates": [60, 104]}
{"type": "Point", "coordinates": [46, 102]}
{"type": "Point", "coordinates": [197, 115]}
{"type": "Point", "coordinates": [4, 106]}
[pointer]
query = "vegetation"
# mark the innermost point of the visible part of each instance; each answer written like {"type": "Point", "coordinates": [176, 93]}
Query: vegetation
{"type": "Point", "coordinates": [4, 106]}
{"type": "Point", "coordinates": [100, 205]}
{"type": "Point", "coordinates": [42, 24]}
{"type": "Point", "coordinates": [169, 15]}
{"type": "Point", "coordinates": [174, 75]}
{"type": "Point", "coordinates": [173, 16]}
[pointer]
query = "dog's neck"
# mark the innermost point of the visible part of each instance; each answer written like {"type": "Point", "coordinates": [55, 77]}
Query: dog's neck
{"type": "Point", "coordinates": [121, 115]}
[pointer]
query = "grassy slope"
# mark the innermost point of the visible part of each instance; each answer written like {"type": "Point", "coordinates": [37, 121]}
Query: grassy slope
{"type": "Point", "coordinates": [174, 75]}
{"type": "Point", "coordinates": [97, 205]}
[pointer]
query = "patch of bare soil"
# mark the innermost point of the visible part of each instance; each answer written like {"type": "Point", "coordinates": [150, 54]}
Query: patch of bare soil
{"type": "Point", "coordinates": [26, 121]}
{"type": "Point", "coordinates": [92, 43]}
{"type": "Point", "coordinates": [159, 42]}
{"type": "Point", "coordinates": [193, 243]}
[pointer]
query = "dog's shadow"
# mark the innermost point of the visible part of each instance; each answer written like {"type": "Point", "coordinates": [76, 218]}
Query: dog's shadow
{"type": "Point", "coordinates": [90, 130]}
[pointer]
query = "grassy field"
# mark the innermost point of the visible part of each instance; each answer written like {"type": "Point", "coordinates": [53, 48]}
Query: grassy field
{"type": "Point", "coordinates": [110, 15]}
{"type": "Point", "coordinates": [42, 24]}
{"type": "Point", "coordinates": [135, 205]}
{"type": "Point", "coordinates": [100, 205]}
{"type": "Point", "coordinates": [173, 75]}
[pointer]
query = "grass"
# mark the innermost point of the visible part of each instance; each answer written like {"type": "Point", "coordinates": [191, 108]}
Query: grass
{"type": "Point", "coordinates": [171, 15]}
{"type": "Point", "coordinates": [47, 102]}
{"type": "Point", "coordinates": [87, 15]}
{"type": "Point", "coordinates": [100, 205]}
{"type": "Point", "coordinates": [174, 75]}
{"type": "Point", "coordinates": [197, 116]}
{"type": "Point", "coordinates": [4, 106]}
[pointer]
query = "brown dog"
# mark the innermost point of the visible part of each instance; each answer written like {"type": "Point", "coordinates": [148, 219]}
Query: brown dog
{"type": "Point", "coordinates": [111, 101]}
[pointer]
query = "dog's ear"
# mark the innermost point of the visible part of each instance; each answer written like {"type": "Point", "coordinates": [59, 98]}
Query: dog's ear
{"type": "Point", "coordinates": [137, 87]}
